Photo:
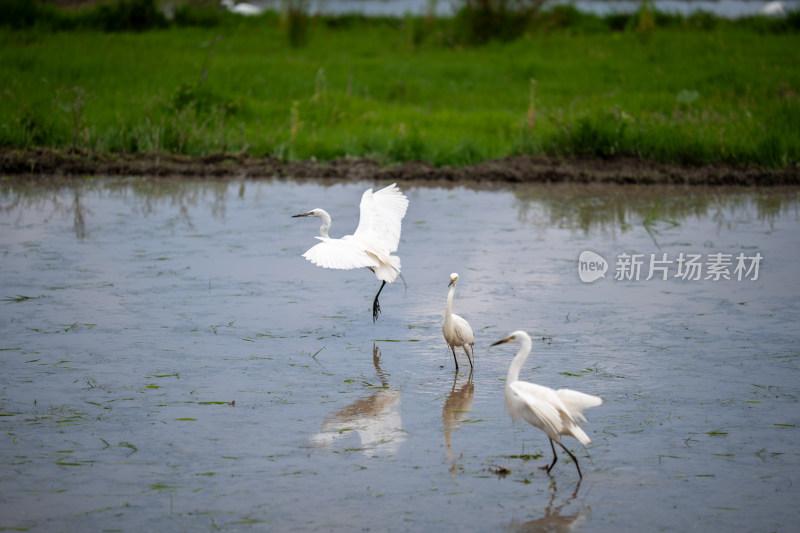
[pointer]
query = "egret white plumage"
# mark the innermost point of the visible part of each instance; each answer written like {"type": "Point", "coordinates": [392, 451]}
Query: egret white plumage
{"type": "Point", "coordinates": [457, 331]}
{"type": "Point", "coordinates": [242, 8]}
{"type": "Point", "coordinates": [773, 9]}
{"type": "Point", "coordinates": [556, 412]}
{"type": "Point", "coordinates": [372, 243]}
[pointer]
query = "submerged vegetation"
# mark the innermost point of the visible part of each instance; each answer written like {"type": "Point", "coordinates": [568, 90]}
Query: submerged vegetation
{"type": "Point", "coordinates": [125, 78]}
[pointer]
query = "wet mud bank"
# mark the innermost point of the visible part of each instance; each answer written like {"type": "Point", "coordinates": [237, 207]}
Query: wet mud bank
{"type": "Point", "coordinates": [38, 163]}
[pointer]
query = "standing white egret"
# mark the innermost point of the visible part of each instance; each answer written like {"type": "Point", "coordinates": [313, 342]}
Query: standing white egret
{"type": "Point", "coordinates": [556, 412]}
{"type": "Point", "coordinates": [456, 330]}
{"type": "Point", "coordinates": [371, 245]}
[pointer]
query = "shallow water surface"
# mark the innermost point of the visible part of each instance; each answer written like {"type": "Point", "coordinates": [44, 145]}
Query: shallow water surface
{"type": "Point", "coordinates": [169, 362]}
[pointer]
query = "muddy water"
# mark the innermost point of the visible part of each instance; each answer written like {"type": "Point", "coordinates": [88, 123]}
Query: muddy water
{"type": "Point", "coordinates": [169, 361]}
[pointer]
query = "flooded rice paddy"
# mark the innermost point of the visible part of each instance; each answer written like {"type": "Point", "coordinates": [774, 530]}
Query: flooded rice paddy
{"type": "Point", "coordinates": [169, 362]}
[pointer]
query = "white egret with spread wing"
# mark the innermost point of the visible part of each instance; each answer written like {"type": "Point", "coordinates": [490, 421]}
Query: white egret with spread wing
{"type": "Point", "coordinates": [373, 242]}
{"type": "Point", "coordinates": [556, 412]}
{"type": "Point", "coordinates": [457, 331]}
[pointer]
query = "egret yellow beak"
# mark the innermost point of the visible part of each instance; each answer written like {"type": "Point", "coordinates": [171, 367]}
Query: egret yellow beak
{"type": "Point", "coordinates": [502, 341]}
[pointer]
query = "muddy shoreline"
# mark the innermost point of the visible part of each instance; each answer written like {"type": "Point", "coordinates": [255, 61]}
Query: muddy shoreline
{"type": "Point", "coordinates": [42, 163]}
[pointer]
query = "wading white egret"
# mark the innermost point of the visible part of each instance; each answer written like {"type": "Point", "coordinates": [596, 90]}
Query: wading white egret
{"type": "Point", "coordinates": [371, 245]}
{"type": "Point", "coordinates": [456, 330]}
{"type": "Point", "coordinates": [556, 412]}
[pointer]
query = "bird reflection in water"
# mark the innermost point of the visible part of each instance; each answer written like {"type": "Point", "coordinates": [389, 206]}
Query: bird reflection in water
{"type": "Point", "coordinates": [375, 418]}
{"type": "Point", "coordinates": [554, 519]}
{"type": "Point", "coordinates": [457, 404]}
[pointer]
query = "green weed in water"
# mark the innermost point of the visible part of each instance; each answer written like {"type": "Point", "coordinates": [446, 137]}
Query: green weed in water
{"type": "Point", "coordinates": [526, 457]}
{"type": "Point", "coordinates": [174, 374]}
{"type": "Point", "coordinates": [162, 487]}
{"type": "Point", "coordinates": [63, 462]}
{"type": "Point", "coordinates": [20, 298]}
{"type": "Point", "coordinates": [125, 444]}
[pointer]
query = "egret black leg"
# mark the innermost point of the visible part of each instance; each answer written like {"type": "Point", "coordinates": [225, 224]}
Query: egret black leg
{"type": "Point", "coordinates": [376, 307]}
{"type": "Point", "coordinates": [573, 458]}
{"type": "Point", "coordinates": [555, 457]}
{"type": "Point", "coordinates": [469, 357]}
{"type": "Point", "coordinates": [454, 356]}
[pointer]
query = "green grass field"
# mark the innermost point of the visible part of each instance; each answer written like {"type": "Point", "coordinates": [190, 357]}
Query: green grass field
{"type": "Point", "coordinates": [402, 89]}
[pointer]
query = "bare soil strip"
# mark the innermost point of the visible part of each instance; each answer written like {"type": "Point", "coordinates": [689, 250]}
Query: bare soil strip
{"type": "Point", "coordinates": [41, 163]}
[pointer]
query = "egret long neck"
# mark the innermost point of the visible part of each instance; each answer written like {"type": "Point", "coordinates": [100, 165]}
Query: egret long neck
{"type": "Point", "coordinates": [448, 315]}
{"type": "Point", "coordinates": [519, 360]}
{"type": "Point", "coordinates": [326, 223]}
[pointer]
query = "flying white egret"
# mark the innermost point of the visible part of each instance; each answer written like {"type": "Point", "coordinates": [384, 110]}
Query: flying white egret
{"type": "Point", "coordinates": [556, 412]}
{"type": "Point", "coordinates": [456, 330]}
{"type": "Point", "coordinates": [371, 245]}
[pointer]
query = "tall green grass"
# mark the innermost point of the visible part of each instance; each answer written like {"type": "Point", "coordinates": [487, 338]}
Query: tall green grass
{"type": "Point", "coordinates": [684, 89]}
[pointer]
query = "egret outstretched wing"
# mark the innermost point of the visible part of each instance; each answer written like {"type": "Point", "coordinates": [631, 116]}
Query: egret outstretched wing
{"type": "Point", "coordinates": [344, 253]}
{"type": "Point", "coordinates": [381, 214]}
